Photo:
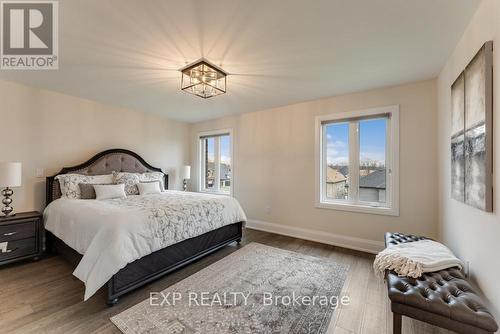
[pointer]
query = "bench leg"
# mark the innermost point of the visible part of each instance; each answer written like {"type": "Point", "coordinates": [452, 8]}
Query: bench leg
{"type": "Point", "coordinates": [396, 323]}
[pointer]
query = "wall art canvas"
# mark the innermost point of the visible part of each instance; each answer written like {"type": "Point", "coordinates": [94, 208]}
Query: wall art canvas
{"type": "Point", "coordinates": [457, 139]}
{"type": "Point", "coordinates": [472, 132]}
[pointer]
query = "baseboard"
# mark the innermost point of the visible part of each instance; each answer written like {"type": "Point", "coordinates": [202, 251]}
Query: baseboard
{"type": "Point", "coordinates": [359, 244]}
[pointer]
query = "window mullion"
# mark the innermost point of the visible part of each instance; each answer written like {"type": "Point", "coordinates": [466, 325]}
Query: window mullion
{"type": "Point", "coordinates": [217, 163]}
{"type": "Point", "coordinates": [203, 160]}
{"type": "Point", "coordinates": [324, 163]}
{"type": "Point", "coordinates": [354, 161]}
{"type": "Point", "coordinates": [388, 163]}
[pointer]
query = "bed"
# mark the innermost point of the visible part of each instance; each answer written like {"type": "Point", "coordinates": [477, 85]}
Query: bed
{"type": "Point", "coordinates": [145, 267]}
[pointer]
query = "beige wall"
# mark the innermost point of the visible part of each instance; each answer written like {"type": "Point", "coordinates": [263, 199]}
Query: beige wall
{"type": "Point", "coordinates": [274, 164]}
{"type": "Point", "coordinates": [44, 129]}
{"type": "Point", "coordinates": [471, 233]}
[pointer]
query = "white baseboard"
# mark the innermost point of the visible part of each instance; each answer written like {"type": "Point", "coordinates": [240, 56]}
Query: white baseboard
{"type": "Point", "coordinates": [364, 245]}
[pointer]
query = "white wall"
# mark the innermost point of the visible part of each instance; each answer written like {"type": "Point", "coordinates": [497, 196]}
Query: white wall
{"type": "Point", "coordinates": [472, 234]}
{"type": "Point", "coordinates": [44, 129]}
{"type": "Point", "coordinates": [274, 167]}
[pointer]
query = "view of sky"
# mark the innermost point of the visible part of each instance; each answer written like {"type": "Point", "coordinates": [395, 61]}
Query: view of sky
{"type": "Point", "coordinates": [210, 149]}
{"type": "Point", "coordinates": [337, 143]}
{"type": "Point", "coordinates": [372, 141]}
{"type": "Point", "coordinates": [225, 149]}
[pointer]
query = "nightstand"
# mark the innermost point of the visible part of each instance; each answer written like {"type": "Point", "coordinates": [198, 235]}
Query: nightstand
{"type": "Point", "coordinates": [23, 234]}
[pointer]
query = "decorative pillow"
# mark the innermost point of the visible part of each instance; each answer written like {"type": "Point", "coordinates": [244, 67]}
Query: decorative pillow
{"type": "Point", "coordinates": [109, 191]}
{"type": "Point", "coordinates": [87, 190]}
{"type": "Point", "coordinates": [70, 183]}
{"type": "Point", "coordinates": [153, 176]}
{"type": "Point", "coordinates": [130, 180]}
{"type": "Point", "coordinates": [146, 188]}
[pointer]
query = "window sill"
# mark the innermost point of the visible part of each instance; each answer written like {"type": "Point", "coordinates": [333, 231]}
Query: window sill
{"type": "Point", "coordinates": [377, 210]}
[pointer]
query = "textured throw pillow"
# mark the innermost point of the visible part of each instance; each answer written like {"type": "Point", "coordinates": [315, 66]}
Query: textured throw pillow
{"type": "Point", "coordinates": [69, 183]}
{"type": "Point", "coordinates": [109, 191]}
{"type": "Point", "coordinates": [130, 180]}
{"type": "Point", "coordinates": [87, 190]}
{"type": "Point", "coordinates": [152, 177]}
{"type": "Point", "coordinates": [149, 188]}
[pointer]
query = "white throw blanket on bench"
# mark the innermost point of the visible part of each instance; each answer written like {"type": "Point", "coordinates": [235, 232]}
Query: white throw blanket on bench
{"type": "Point", "coordinates": [412, 259]}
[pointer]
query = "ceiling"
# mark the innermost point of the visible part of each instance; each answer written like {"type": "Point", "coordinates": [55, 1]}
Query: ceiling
{"type": "Point", "coordinates": [278, 52]}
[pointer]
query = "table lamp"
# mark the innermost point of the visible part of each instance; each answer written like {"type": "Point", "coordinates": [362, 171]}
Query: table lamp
{"type": "Point", "coordinates": [10, 177]}
{"type": "Point", "coordinates": [185, 175]}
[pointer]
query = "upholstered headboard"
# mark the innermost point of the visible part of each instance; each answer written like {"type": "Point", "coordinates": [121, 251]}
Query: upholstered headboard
{"type": "Point", "coordinates": [106, 162]}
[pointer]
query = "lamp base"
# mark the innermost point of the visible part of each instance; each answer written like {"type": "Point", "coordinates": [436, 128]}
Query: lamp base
{"type": "Point", "coordinates": [7, 209]}
{"type": "Point", "coordinates": [184, 185]}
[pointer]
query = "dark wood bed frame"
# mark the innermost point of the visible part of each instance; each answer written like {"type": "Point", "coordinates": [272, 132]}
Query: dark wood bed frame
{"type": "Point", "coordinates": [154, 265]}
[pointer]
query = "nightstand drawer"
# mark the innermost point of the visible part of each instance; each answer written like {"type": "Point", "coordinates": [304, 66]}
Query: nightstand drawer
{"type": "Point", "coordinates": [19, 248]}
{"type": "Point", "coordinates": [17, 231]}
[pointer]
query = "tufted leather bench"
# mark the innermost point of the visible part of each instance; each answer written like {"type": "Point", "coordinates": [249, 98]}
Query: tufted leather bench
{"type": "Point", "coordinates": [442, 298]}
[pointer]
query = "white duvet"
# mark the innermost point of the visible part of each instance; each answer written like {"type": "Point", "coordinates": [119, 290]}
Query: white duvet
{"type": "Point", "coordinates": [112, 233]}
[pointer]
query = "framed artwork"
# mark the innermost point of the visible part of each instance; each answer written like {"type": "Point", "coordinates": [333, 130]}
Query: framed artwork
{"type": "Point", "coordinates": [472, 132]}
{"type": "Point", "coordinates": [458, 139]}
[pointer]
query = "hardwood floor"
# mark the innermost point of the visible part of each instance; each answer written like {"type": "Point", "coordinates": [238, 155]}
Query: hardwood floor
{"type": "Point", "coordinates": [43, 296]}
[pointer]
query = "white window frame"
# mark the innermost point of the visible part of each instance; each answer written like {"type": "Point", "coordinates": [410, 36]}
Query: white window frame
{"type": "Point", "coordinates": [391, 207]}
{"type": "Point", "coordinates": [201, 165]}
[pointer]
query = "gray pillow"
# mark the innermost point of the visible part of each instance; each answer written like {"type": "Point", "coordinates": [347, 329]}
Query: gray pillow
{"type": "Point", "coordinates": [87, 190]}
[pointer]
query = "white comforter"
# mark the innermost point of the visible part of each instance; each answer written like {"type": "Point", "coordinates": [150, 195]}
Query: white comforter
{"type": "Point", "coordinates": [112, 233]}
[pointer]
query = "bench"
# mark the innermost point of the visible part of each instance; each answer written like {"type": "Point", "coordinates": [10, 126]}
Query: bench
{"type": "Point", "coordinates": [444, 298]}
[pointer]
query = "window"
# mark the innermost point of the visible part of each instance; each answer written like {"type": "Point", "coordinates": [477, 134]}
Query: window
{"type": "Point", "coordinates": [357, 161]}
{"type": "Point", "coordinates": [215, 162]}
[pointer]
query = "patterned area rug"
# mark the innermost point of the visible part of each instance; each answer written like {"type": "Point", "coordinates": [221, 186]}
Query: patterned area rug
{"type": "Point", "coordinates": [257, 289]}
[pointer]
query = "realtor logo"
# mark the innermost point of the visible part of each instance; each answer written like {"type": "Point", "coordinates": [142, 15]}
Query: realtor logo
{"type": "Point", "coordinates": [29, 33]}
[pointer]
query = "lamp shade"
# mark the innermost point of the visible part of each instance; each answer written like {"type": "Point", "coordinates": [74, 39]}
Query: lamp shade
{"type": "Point", "coordinates": [186, 172]}
{"type": "Point", "coordinates": [10, 174]}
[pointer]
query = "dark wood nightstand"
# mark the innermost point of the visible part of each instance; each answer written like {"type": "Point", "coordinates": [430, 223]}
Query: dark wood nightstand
{"type": "Point", "coordinates": [23, 234]}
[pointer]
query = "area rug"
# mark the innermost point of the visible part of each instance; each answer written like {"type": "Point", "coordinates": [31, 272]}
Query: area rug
{"type": "Point", "coordinates": [257, 289]}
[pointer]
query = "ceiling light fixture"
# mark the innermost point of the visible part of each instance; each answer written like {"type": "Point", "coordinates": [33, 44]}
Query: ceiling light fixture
{"type": "Point", "coordinates": [203, 79]}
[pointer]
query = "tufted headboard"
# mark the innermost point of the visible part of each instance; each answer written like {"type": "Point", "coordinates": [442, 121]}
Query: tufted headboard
{"type": "Point", "coordinates": [106, 162]}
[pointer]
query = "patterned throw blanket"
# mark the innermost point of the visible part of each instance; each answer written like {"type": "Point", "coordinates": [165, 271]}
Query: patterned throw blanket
{"type": "Point", "coordinates": [176, 217]}
{"type": "Point", "coordinates": [412, 259]}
